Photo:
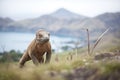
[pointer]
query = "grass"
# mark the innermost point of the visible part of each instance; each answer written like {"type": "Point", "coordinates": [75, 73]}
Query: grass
{"type": "Point", "coordinates": [65, 65]}
{"type": "Point", "coordinates": [11, 71]}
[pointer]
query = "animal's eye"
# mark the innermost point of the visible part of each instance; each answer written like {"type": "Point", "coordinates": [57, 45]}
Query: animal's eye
{"type": "Point", "coordinates": [40, 35]}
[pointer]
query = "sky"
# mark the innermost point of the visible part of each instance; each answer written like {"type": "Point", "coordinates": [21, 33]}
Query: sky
{"type": "Point", "coordinates": [24, 9]}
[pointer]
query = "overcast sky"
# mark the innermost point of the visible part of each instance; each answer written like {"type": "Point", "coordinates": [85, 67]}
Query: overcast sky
{"type": "Point", "coordinates": [22, 9]}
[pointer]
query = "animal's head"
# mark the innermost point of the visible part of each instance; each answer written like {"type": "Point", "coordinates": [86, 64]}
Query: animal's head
{"type": "Point", "coordinates": [42, 36]}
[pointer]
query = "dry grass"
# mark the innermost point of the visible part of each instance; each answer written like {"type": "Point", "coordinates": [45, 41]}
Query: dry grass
{"type": "Point", "coordinates": [62, 64]}
{"type": "Point", "coordinates": [52, 71]}
{"type": "Point", "coordinates": [11, 71]}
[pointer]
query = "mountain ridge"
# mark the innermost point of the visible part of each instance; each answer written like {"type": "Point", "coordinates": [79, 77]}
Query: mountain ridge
{"type": "Point", "coordinates": [66, 14]}
{"type": "Point", "coordinates": [62, 22]}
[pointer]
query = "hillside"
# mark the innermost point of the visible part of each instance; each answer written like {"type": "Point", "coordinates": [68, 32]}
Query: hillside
{"type": "Point", "coordinates": [111, 20]}
{"type": "Point", "coordinates": [66, 66]}
{"type": "Point", "coordinates": [63, 21]}
{"type": "Point", "coordinates": [4, 23]}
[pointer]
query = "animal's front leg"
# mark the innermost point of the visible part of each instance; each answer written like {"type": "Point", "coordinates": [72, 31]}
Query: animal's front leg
{"type": "Point", "coordinates": [41, 60]}
{"type": "Point", "coordinates": [34, 59]}
{"type": "Point", "coordinates": [23, 59]}
{"type": "Point", "coordinates": [21, 62]}
{"type": "Point", "coordinates": [48, 57]}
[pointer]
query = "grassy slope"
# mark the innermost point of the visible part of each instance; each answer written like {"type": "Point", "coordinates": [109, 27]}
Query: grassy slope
{"type": "Point", "coordinates": [64, 68]}
{"type": "Point", "coordinates": [56, 69]}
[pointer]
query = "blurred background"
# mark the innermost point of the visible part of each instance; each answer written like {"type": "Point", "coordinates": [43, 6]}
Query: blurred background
{"type": "Point", "coordinates": [65, 20]}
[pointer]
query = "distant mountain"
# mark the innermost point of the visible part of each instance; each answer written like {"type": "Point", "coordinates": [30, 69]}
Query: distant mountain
{"type": "Point", "coordinates": [52, 22]}
{"type": "Point", "coordinates": [66, 23]}
{"type": "Point", "coordinates": [111, 20]}
{"type": "Point", "coordinates": [4, 22]}
{"type": "Point", "coordinates": [65, 14]}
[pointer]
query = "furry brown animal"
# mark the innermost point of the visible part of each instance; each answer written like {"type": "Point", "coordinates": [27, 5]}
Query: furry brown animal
{"type": "Point", "coordinates": [38, 47]}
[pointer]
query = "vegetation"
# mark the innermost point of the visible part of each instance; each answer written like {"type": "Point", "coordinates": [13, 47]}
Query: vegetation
{"type": "Point", "coordinates": [10, 56]}
{"type": "Point", "coordinates": [64, 66]}
{"type": "Point", "coordinates": [104, 64]}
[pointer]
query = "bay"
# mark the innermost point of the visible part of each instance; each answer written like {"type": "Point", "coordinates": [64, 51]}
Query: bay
{"type": "Point", "coordinates": [20, 41]}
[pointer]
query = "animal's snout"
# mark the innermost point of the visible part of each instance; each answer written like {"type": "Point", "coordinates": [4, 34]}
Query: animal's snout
{"type": "Point", "coordinates": [46, 39]}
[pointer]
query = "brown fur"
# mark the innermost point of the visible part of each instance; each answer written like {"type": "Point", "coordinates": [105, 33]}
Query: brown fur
{"type": "Point", "coordinates": [37, 48]}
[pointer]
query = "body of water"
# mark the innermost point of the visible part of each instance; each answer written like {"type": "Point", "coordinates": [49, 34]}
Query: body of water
{"type": "Point", "coordinates": [20, 41]}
